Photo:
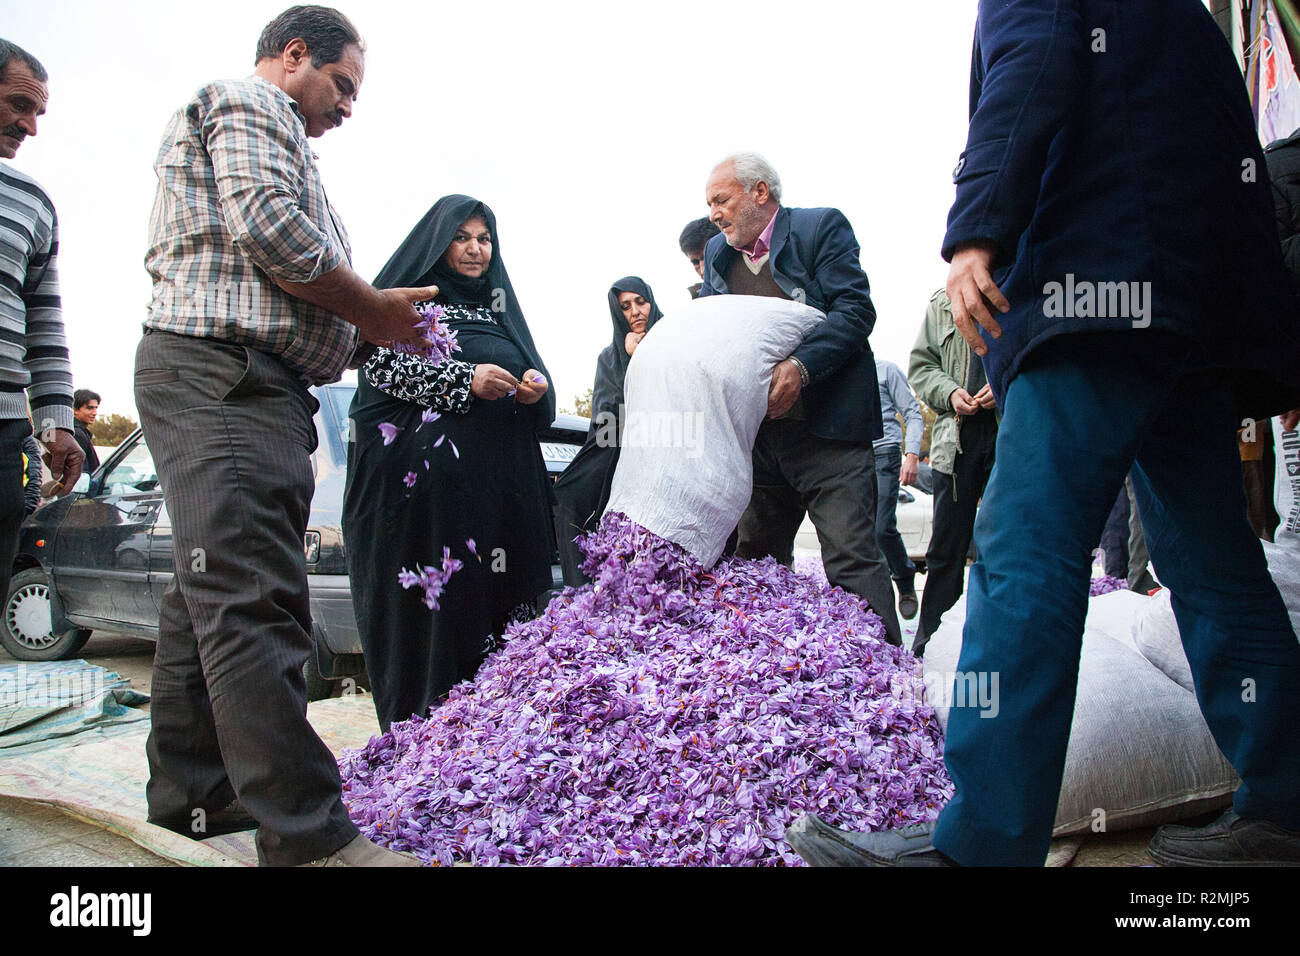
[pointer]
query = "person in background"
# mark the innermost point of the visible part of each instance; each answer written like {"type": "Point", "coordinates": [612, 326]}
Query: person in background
{"type": "Point", "coordinates": [893, 468]}
{"type": "Point", "coordinates": [85, 407]}
{"type": "Point", "coordinates": [445, 456]}
{"type": "Point", "coordinates": [221, 383]}
{"type": "Point", "coordinates": [692, 241]}
{"type": "Point", "coordinates": [949, 377]}
{"type": "Point", "coordinates": [34, 362]}
{"type": "Point", "coordinates": [583, 490]}
{"type": "Point", "coordinates": [813, 450]}
{"type": "Point", "coordinates": [1151, 381]}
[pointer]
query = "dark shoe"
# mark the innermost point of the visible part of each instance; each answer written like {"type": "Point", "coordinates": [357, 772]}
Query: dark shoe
{"type": "Point", "coordinates": [361, 852]}
{"type": "Point", "coordinates": [823, 845]}
{"type": "Point", "coordinates": [1145, 584]}
{"type": "Point", "coordinates": [907, 605]}
{"type": "Point", "coordinates": [1228, 841]}
{"type": "Point", "coordinates": [232, 818]}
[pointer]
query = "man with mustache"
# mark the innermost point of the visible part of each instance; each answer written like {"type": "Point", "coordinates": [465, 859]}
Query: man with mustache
{"type": "Point", "coordinates": [33, 348]}
{"type": "Point", "coordinates": [254, 301]}
{"type": "Point", "coordinates": [814, 449]}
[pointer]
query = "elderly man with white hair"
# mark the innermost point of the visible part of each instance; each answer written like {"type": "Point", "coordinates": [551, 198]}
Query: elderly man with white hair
{"type": "Point", "coordinates": [813, 451]}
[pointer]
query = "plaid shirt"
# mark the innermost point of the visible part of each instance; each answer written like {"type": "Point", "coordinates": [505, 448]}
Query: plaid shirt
{"type": "Point", "coordinates": [240, 200]}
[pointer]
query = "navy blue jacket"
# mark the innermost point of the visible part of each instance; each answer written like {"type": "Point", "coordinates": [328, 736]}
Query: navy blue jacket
{"type": "Point", "coordinates": [1113, 142]}
{"type": "Point", "coordinates": [814, 259]}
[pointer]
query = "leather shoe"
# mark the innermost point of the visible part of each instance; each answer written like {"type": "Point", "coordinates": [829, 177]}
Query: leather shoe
{"type": "Point", "coordinates": [823, 845]}
{"type": "Point", "coordinates": [1230, 840]}
{"type": "Point", "coordinates": [907, 605]}
{"type": "Point", "coordinates": [232, 818]}
{"type": "Point", "coordinates": [361, 852]}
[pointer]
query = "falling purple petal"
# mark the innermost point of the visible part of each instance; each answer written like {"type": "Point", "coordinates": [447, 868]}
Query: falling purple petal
{"type": "Point", "coordinates": [473, 548]}
{"type": "Point", "coordinates": [389, 432]}
{"type": "Point", "coordinates": [439, 441]}
{"type": "Point", "coordinates": [426, 464]}
{"type": "Point", "coordinates": [454, 450]}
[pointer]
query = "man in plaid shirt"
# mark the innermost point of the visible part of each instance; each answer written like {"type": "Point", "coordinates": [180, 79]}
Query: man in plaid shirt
{"type": "Point", "coordinates": [254, 301]}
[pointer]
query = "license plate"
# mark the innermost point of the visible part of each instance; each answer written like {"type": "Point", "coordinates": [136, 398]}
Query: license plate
{"type": "Point", "coordinates": [559, 451]}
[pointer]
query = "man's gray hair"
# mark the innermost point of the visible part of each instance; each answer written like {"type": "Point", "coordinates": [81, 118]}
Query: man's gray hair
{"type": "Point", "coordinates": [752, 169]}
{"type": "Point", "coordinates": [12, 51]}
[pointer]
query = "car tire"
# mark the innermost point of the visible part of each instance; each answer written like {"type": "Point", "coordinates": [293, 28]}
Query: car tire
{"type": "Point", "coordinates": [25, 622]}
{"type": "Point", "coordinates": [318, 687]}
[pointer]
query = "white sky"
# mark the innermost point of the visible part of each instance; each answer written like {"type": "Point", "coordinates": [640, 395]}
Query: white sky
{"type": "Point", "coordinates": [589, 128]}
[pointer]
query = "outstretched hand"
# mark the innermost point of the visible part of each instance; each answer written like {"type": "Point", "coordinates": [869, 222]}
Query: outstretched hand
{"type": "Point", "coordinates": [395, 321]}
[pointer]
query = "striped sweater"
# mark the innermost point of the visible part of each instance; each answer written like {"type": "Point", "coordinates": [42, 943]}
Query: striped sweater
{"type": "Point", "coordinates": [33, 347]}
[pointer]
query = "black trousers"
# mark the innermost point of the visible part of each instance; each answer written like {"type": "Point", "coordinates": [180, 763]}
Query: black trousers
{"type": "Point", "coordinates": [835, 481]}
{"type": "Point", "coordinates": [12, 500]}
{"type": "Point", "coordinates": [231, 433]}
{"type": "Point", "coordinates": [955, 499]}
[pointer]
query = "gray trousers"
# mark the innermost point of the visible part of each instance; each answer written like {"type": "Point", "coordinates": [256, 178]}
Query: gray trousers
{"type": "Point", "coordinates": [231, 433]}
{"type": "Point", "coordinates": [835, 481]}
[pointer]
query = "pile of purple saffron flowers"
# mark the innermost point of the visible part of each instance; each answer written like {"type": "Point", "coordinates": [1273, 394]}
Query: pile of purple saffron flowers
{"type": "Point", "coordinates": [661, 715]}
{"type": "Point", "coordinates": [1104, 584]}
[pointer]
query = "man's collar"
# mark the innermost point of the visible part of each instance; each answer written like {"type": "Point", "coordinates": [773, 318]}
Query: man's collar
{"type": "Point", "coordinates": [763, 244]}
{"type": "Point", "coordinates": [293, 104]}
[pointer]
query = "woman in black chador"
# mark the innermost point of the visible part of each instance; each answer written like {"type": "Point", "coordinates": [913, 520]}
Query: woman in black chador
{"type": "Point", "coordinates": [475, 473]}
{"type": "Point", "coordinates": [583, 490]}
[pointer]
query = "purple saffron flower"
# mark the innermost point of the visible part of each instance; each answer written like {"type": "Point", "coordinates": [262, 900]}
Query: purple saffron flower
{"type": "Point", "coordinates": [664, 714]}
{"type": "Point", "coordinates": [389, 432]}
{"type": "Point", "coordinates": [409, 480]}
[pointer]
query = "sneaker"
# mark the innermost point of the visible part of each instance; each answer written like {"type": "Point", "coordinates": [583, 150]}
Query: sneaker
{"type": "Point", "coordinates": [1228, 841]}
{"type": "Point", "coordinates": [361, 852]}
{"type": "Point", "coordinates": [823, 845]}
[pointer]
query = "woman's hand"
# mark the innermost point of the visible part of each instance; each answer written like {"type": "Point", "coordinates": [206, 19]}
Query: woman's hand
{"type": "Point", "coordinates": [491, 382]}
{"type": "Point", "coordinates": [531, 387]}
{"type": "Point", "coordinates": [632, 340]}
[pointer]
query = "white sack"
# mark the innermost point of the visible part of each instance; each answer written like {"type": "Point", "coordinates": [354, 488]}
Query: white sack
{"type": "Point", "coordinates": [1286, 485]}
{"type": "Point", "coordinates": [696, 393]}
{"type": "Point", "coordinates": [1139, 748]}
{"type": "Point", "coordinates": [1156, 635]}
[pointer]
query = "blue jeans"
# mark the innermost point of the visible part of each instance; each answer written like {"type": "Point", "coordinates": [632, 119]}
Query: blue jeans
{"type": "Point", "coordinates": [889, 459]}
{"type": "Point", "coordinates": [1083, 411]}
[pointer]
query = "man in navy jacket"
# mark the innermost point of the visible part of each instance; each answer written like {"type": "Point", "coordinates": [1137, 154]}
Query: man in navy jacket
{"type": "Point", "coordinates": [1112, 236]}
{"type": "Point", "coordinates": [814, 449]}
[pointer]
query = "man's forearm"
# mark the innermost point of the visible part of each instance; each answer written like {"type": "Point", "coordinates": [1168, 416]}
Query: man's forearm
{"type": "Point", "coordinates": [341, 291]}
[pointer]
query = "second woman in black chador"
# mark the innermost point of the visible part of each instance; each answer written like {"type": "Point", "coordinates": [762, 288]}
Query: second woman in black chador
{"type": "Point", "coordinates": [473, 474]}
{"type": "Point", "coordinates": [583, 490]}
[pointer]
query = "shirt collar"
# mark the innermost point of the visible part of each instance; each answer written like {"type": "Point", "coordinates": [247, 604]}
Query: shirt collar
{"type": "Point", "coordinates": [763, 244]}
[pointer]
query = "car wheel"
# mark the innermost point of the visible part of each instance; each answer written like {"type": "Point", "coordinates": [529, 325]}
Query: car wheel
{"type": "Point", "coordinates": [25, 624]}
{"type": "Point", "coordinates": [318, 687]}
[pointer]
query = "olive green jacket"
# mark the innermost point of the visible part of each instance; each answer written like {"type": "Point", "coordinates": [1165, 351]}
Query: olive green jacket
{"type": "Point", "coordinates": [940, 360]}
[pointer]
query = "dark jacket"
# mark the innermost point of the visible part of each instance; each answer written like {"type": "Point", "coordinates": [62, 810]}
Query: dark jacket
{"type": "Point", "coordinates": [1114, 142]}
{"type": "Point", "coordinates": [87, 442]}
{"type": "Point", "coordinates": [1283, 160]}
{"type": "Point", "coordinates": [814, 259]}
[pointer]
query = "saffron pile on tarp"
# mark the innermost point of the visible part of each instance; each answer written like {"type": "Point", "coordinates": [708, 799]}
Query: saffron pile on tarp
{"type": "Point", "coordinates": [661, 715]}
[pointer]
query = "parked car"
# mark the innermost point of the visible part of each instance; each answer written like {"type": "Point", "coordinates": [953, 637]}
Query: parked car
{"type": "Point", "coordinates": [101, 558]}
{"type": "Point", "coordinates": [915, 517]}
